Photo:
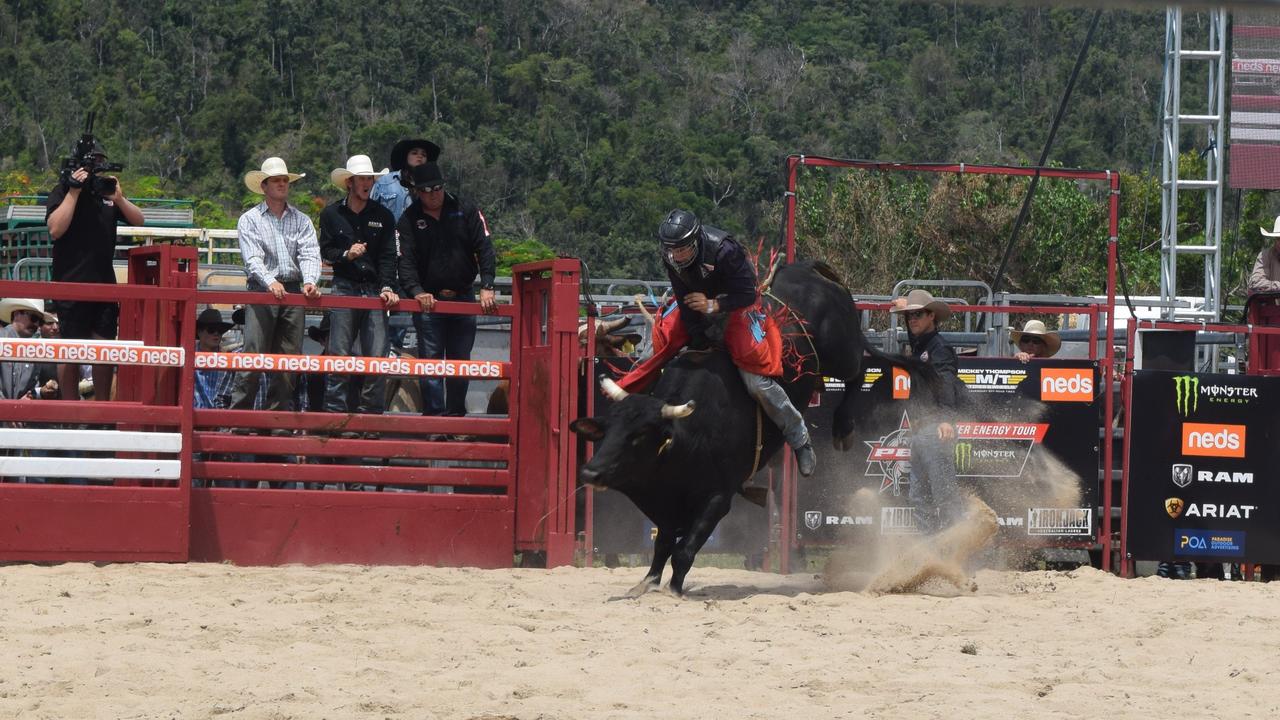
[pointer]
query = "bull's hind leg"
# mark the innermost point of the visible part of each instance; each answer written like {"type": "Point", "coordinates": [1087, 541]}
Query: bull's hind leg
{"type": "Point", "coordinates": [844, 420]}
{"type": "Point", "coordinates": [662, 546]}
{"type": "Point", "coordinates": [689, 545]}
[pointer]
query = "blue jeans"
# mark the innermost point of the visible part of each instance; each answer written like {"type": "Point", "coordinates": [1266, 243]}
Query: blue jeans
{"type": "Point", "coordinates": [346, 327]}
{"type": "Point", "coordinates": [933, 491]}
{"type": "Point", "coordinates": [448, 337]}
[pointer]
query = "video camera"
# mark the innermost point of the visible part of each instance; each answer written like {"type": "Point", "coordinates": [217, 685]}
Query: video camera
{"type": "Point", "coordinates": [87, 154]}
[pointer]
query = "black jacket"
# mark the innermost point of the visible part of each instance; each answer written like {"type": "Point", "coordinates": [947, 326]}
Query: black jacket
{"type": "Point", "coordinates": [340, 228]}
{"type": "Point", "coordinates": [445, 254]}
{"type": "Point", "coordinates": [931, 348]}
{"type": "Point", "coordinates": [722, 271]}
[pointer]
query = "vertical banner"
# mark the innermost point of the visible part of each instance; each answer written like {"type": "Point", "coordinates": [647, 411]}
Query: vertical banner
{"type": "Point", "coordinates": [1027, 437]}
{"type": "Point", "coordinates": [1255, 100]}
{"type": "Point", "coordinates": [1203, 455]}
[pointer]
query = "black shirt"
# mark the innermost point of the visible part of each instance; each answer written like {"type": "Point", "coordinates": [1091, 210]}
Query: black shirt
{"type": "Point", "coordinates": [85, 250]}
{"type": "Point", "coordinates": [932, 349]}
{"type": "Point", "coordinates": [445, 254]}
{"type": "Point", "coordinates": [340, 228]}
{"type": "Point", "coordinates": [723, 272]}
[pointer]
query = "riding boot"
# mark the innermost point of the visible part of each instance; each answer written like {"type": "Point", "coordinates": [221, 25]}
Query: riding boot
{"type": "Point", "coordinates": [773, 399]}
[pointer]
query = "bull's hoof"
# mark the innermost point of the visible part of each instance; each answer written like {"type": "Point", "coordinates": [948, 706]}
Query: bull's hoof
{"type": "Point", "coordinates": [642, 587]}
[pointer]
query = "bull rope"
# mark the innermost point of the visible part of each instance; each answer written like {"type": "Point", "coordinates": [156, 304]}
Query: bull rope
{"type": "Point", "coordinates": [804, 329]}
{"type": "Point", "coordinates": [755, 464]}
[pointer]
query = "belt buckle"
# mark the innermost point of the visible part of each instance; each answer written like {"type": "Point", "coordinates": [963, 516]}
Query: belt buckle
{"type": "Point", "coordinates": [448, 293]}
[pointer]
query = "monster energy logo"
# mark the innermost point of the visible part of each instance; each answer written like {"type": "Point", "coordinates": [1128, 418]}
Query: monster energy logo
{"type": "Point", "coordinates": [964, 456]}
{"type": "Point", "coordinates": [1186, 394]}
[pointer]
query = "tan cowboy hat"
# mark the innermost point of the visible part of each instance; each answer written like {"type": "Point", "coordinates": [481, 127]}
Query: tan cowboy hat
{"type": "Point", "coordinates": [357, 166]}
{"type": "Point", "coordinates": [1036, 328]}
{"type": "Point", "coordinates": [271, 167]}
{"type": "Point", "coordinates": [8, 306]}
{"type": "Point", "coordinates": [922, 300]}
{"type": "Point", "coordinates": [1275, 231]}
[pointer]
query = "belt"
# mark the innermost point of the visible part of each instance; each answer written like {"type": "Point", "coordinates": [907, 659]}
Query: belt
{"type": "Point", "coordinates": [447, 293]}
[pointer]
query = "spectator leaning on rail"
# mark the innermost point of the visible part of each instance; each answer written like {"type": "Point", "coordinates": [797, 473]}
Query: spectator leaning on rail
{"type": "Point", "coordinates": [1035, 341]}
{"type": "Point", "coordinates": [1265, 277]}
{"type": "Point", "coordinates": [83, 226]}
{"type": "Point", "coordinates": [357, 237]}
{"type": "Point", "coordinates": [392, 190]}
{"type": "Point", "coordinates": [444, 244]}
{"type": "Point", "coordinates": [211, 384]}
{"type": "Point", "coordinates": [18, 378]}
{"type": "Point", "coordinates": [933, 491]}
{"type": "Point", "coordinates": [711, 276]}
{"type": "Point", "coordinates": [281, 255]}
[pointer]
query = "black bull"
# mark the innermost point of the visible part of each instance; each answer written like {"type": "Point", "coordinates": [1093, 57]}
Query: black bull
{"type": "Point", "coordinates": [681, 452]}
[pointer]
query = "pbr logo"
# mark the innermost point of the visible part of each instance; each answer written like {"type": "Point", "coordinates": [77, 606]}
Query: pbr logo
{"type": "Point", "coordinates": [889, 458]}
{"type": "Point", "coordinates": [813, 519]}
{"type": "Point", "coordinates": [1174, 507]}
{"type": "Point", "coordinates": [1181, 475]}
{"type": "Point", "coordinates": [1186, 394]}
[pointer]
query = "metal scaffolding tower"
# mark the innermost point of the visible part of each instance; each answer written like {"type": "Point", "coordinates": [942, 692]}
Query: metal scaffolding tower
{"type": "Point", "coordinates": [1209, 245]}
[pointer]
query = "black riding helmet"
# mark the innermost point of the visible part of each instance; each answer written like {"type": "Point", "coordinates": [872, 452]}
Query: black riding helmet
{"type": "Point", "coordinates": [681, 229]}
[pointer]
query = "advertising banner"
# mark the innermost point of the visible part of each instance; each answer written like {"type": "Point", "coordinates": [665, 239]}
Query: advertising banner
{"type": "Point", "coordinates": [1202, 457]}
{"type": "Point", "coordinates": [1026, 438]}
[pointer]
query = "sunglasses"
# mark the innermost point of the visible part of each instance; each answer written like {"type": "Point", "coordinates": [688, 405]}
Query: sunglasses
{"type": "Point", "coordinates": [431, 188]}
{"type": "Point", "coordinates": [915, 314]}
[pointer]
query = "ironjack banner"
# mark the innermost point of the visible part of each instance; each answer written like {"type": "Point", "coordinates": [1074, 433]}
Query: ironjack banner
{"type": "Point", "coordinates": [1027, 432]}
{"type": "Point", "coordinates": [1203, 455]}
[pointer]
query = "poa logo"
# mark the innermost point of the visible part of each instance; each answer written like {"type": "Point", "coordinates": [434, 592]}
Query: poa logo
{"type": "Point", "coordinates": [1066, 385]}
{"type": "Point", "coordinates": [964, 456]}
{"type": "Point", "coordinates": [1181, 475]}
{"type": "Point", "coordinates": [1213, 440]}
{"type": "Point", "coordinates": [1186, 394]}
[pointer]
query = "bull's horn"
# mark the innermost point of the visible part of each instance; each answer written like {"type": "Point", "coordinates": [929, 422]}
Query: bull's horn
{"type": "Point", "coordinates": [671, 412]}
{"type": "Point", "coordinates": [611, 325]}
{"type": "Point", "coordinates": [612, 390]}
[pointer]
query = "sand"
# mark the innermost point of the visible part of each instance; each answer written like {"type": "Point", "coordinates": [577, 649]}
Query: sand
{"type": "Point", "coordinates": [206, 641]}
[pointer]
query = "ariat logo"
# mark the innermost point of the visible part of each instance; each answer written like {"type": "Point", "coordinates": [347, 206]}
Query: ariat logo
{"type": "Point", "coordinates": [1186, 394]}
{"type": "Point", "coordinates": [901, 384]}
{"type": "Point", "coordinates": [1066, 385]}
{"type": "Point", "coordinates": [1174, 506]}
{"type": "Point", "coordinates": [1213, 440]}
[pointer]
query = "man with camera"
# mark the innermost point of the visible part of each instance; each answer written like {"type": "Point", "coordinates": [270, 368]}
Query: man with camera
{"type": "Point", "coordinates": [82, 213]}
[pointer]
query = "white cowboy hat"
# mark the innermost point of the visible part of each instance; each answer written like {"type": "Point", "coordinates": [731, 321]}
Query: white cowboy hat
{"type": "Point", "coordinates": [357, 166]}
{"type": "Point", "coordinates": [271, 167]}
{"type": "Point", "coordinates": [8, 306]}
{"type": "Point", "coordinates": [1275, 231]}
{"type": "Point", "coordinates": [922, 300]}
{"type": "Point", "coordinates": [1052, 340]}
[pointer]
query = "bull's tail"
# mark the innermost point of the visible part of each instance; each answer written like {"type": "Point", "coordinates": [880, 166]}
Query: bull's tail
{"type": "Point", "coordinates": [828, 272]}
{"type": "Point", "coordinates": [919, 369]}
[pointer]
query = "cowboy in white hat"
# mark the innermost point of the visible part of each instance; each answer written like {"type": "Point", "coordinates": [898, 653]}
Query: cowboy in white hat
{"type": "Point", "coordinates": [1265, 277]}
{"type": "Point", "coordinates": [357, 237]}
{"type": "Point", "coordinates": [23, 315]}
{"type": "Point", "coordinates": [1035, 341]}
{"type": "Point", "coordinates": [281, 255]}
{"type": "Point", "coordinates": [933, 490]}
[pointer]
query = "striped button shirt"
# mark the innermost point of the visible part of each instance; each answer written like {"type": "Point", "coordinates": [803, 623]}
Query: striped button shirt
{"type": "Point", "coordinates": [280, 249]}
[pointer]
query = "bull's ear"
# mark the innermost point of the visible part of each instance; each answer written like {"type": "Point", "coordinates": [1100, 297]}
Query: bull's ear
{"type": "Point", "coordinates": [589, 428]}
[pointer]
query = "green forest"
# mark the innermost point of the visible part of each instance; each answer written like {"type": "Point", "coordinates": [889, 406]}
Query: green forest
{"type": "Point", "coordinates": [576, 124]}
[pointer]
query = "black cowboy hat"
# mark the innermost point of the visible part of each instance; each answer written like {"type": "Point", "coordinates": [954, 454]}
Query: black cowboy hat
{"type": "Point", "coordinates": [426, 175]}
{"type": "Point", "coordinates": [400, 153]}
{"type": "Point", "coordinates": [211, 318]}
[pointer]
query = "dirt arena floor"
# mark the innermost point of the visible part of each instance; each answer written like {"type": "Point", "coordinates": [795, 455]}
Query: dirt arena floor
{"type": "Point", "coordinates": [217, 641]}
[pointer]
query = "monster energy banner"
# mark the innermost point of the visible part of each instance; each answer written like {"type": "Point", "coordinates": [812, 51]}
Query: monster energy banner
{"type": "Point", "coordinates": [1202, 460]}
{"type": "Point", "coordinates": [1026, 443]}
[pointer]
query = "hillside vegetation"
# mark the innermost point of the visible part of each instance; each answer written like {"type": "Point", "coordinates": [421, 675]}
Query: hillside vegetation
{"type": "Point", "coordinates": [577, 123]}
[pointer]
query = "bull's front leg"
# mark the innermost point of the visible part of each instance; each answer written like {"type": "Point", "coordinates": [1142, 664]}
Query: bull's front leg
{"type": "Point", "coordinates": [662, 546]}
{"type": "Point", "coordinates": [682, 558]}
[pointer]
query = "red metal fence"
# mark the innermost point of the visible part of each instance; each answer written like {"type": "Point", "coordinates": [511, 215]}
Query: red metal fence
{"type": "Point", "coordinates": [487, 503]}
